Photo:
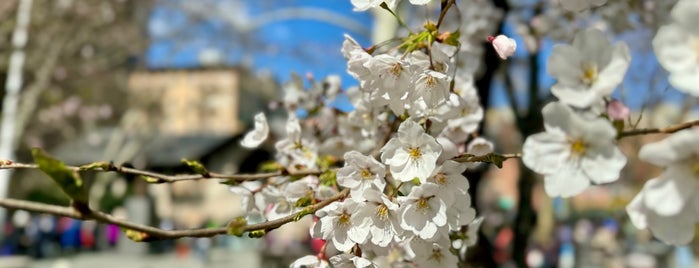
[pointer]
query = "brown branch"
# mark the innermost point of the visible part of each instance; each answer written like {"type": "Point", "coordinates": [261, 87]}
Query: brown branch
{"type": "Point", "coordinates": [165, 178]}
{"type": "Point", "coordinates": [486, 158]}
{"type": "Point", "coordinates": [153, 233]}
{"type": "Point", "coordinates": [665, 130]}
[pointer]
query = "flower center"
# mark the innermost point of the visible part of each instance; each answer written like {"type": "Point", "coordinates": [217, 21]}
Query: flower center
{"type": "Point", "coordinates": [589, 73]}
{"type": "Point", "coordinates": [344, 219]}
{"type": "Point", "coordinates": [578, 147]}
{"type": "Point", "coordinates": [414, 152]}
{"type": "Point", "coordinates": [382, 212]}
{"type": "Point", "coordinates": [366, 174]}
{"type": "Point", "coordinates": [440, 178]}
{"type": "Point", "coordinates": [430, 82]}
{"type": "Point", "coordinates": [396, 69]}
{"type": "Point", "coordinates": [422, 203]}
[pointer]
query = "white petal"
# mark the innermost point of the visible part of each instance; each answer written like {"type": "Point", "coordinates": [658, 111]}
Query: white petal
{"type": "Point", "coordinates": [567, 182]}
{"type": "Point", "coordinates": [259, 134]}
{"type": "Point", "coordinates": [545, 153]}
{"type": "Point", "coordinates": [675, 148]}
{"type": "Point", "coordinates": [675, 230]}
{"type": "Point", "coordinates": [612, 74]}
{"type": "Point", "coordinates": [605, 165]}
{"type": "Point", "coordinates": [637, 210]}
{"type": "Point", "coordinates": [668, 194]}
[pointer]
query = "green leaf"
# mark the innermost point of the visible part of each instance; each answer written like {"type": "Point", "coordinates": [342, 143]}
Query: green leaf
{"type": "Point", "coordinates": [230, 182]}
{"type": "Point", "coordinates": [303, 213]}
{"type": "Point", "coordinates": [153, 180]}
{"type": "Point", "coordinates": [196, 167]}
{"type": "Point", "coordinates": [237, 226]}
{"type": "Point", "coordinates": [257, 234]}
{"type": "Point", "coordinates": [69, 180]}
{"type": "Point", "coordinates": [303, 201]}
{"type": "Point", "coordinates": [96, 166]}
{"type": "Point", "coordinates": [619, 126]}
{"type": "Point", "coordinates": [137, 236]}
{"type": "Point", "coordinates": [495, 159]}
{"type": "Point", "coordinates": [328, 178]}
{"type": "Point", "coordinates": [452, 38]}
{"type": "Point", "coordinates": [271, 166]}
{"type": "Point", "coordinates": [326, 161]}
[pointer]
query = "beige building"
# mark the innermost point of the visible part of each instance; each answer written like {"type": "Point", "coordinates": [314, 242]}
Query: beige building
{"type": "Point", "coordinates": [184, 102]}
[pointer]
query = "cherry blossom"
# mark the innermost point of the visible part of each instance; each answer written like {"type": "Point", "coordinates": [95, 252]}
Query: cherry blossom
{"type": "Point", "coordinates": [504, 46]}
{"type": "Point", "coordinates": [310, 261]}
{"type": "Point", "coordinates": [617, 110]}
{"type": "Point", "coordinates": [362, 5]}
{"type": "Point", "coordinates": [361, 173]}
{"type": "Point", "coordinates": [337, 224]}
{"type": "Point", "coordinates": [412, 153]}
{"type": "Point", "coordinates": [587, 70]}
{"type": "Point", "coordinates": [676, 47]}
{"type": "Point", "coordinates": [423, 211]}
{"type": "Point", "coordinates": [573, 152]}
{"type": "Point", "coordinates": [345, 260]}
{"type": "Point", "coordinates": [669, 204]}
{"type": "Point", "coordinates": [383, 215]}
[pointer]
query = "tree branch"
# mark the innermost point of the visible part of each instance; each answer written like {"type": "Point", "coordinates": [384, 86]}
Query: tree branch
{"type": "Point", "coordinates": [666, 130]}
{"type": "Point", "coordinates": [165, 178]}
{"type": "Point", "coordinates": [153, 233]}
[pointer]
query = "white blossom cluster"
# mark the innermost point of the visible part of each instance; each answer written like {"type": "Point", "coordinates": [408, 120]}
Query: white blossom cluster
{"type": "Point", "coordinates": [409, 196]}
{"type": "Point", "coordinates": [579, 146]}
{"type": "Point", "coordinates": [414, 113]}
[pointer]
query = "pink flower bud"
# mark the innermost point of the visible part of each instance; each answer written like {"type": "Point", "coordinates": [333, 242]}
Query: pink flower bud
{"type": "Point", "coordinates": [617, 110]}
{"type": "Point", "coordinates": [503, 45]}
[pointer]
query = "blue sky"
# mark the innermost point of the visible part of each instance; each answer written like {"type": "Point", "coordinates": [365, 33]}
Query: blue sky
{"type": "Point", "coordinates": [305, 44]}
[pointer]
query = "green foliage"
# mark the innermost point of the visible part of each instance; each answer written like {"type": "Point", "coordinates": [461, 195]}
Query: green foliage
{"type": "Point", "coordinates": [196, 167]}
{"type": "Point", "coordinates": [257, 234]}
{"type": "Point", "coordinates": [237, 226]}
{"type": "Point", "coordinates": [69, 180]}
{"type": "Point", "coordinates": [303, 201]}
{"type": "Point", "coordinates": [137, 236]}
{"type": "Point", "coordinates": [303, 213]}
{"type": "Point", "coordinates": [152, 180]}
{"type": "Point", "coordinates": [271, 166]}
{"type": "Point", "coordinates": [491, 158]}
{"type": "Point", "coordinates": [96, 166]}
{"type": "Point", "coordinates": [328, 178]}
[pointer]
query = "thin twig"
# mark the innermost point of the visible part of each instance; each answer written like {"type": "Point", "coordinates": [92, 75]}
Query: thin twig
{"type": "Point", "coordinates": [486, 158]}
{"type": "Point", "coordinates": [165, 178]}
{"type": "Point", "coordinates": [154, 233]}
{"type": "Point", "coordinates": [443, 13]}
{"type": "Point", "coordinates": [665, 130]}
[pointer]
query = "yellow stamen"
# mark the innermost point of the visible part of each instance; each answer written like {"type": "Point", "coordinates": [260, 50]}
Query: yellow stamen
{"type": "Point", "coordinates": [422, 203]}
{"type": "Point", "coordinates": [366, 174]}
{"type": "Point", "coordinates": [578, 147]}
{"type": "Point", "coordinates": [430, 81]}
{"type": "Point", "coordinates": [414, 153]}
{"type": "Point", "coordinates": [382, 212]}
{"type": "Point", "coordinates": [440, 178]}
{"type": "Point", "coordinates": [396, 70]}
{"type": "Point", "coordinates": [589, 74]}
{"type": "Point", "coordinates": [344, 219]}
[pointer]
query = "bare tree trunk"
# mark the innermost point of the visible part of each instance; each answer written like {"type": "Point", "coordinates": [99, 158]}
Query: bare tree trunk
{"type": "Point", "coordinates": [11, 100]}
